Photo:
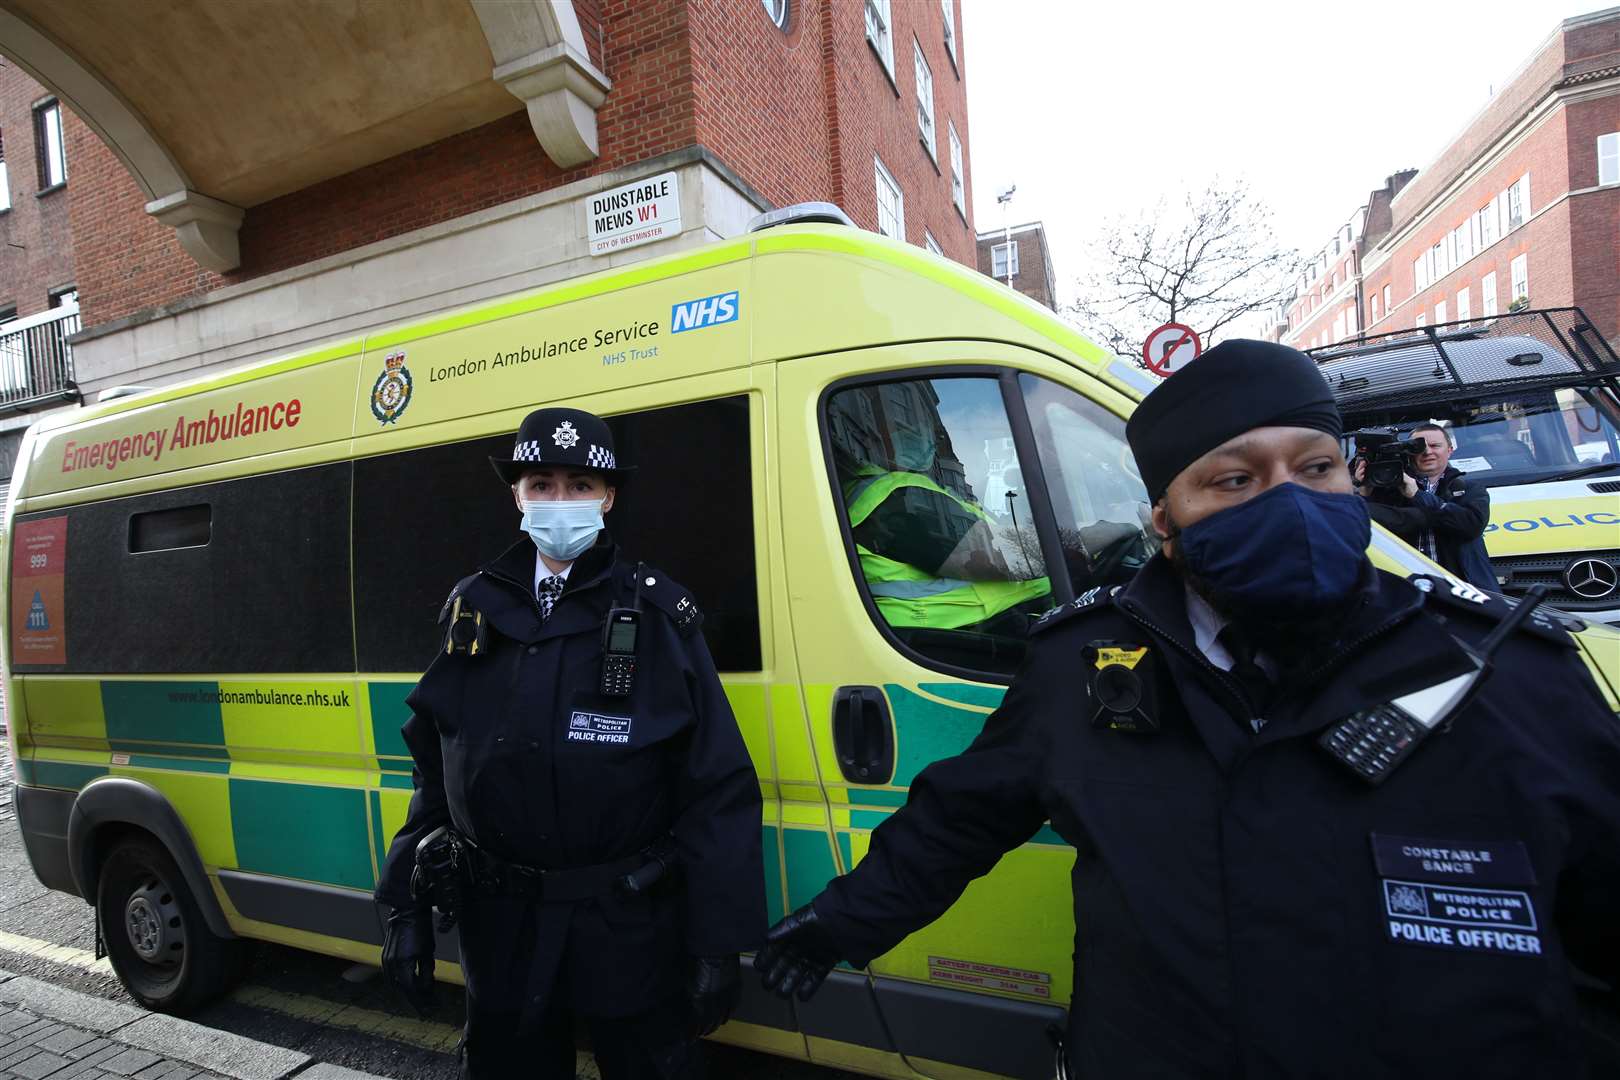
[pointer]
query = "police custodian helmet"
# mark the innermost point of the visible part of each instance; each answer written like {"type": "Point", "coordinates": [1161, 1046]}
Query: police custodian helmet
{"type": "Point", "coordinates": [569, 438]}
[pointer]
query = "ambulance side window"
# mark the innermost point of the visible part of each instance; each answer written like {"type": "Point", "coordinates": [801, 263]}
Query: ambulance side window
{"type": "Point", "coordinates": [942, 536]}
{"type": "Point", "coordinates": [424, 519]}
{"type": "Point", "coordinates": [1098, 498]}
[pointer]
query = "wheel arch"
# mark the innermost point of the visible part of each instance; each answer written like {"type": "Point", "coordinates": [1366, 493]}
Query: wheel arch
{"type": "Point", "coordinates": [111, 806]}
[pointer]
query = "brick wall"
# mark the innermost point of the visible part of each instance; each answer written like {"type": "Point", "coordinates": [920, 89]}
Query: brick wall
{"type": "Point", "coordinates": [799, 116]}
{"type": "Point", "coordinates": [128, 262]}
{"type": "Point", "coordinates": [36, 246]}
{"type": "Point", "coordinates": [1034, 263]}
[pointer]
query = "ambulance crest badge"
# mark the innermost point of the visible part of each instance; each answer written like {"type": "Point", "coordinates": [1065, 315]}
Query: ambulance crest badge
{"type": "Point", "coordinates": [391, 393]}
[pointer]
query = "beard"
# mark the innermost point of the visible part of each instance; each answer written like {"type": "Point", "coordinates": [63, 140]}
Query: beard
{"type": "Point", "coordinates": [1291, 638]}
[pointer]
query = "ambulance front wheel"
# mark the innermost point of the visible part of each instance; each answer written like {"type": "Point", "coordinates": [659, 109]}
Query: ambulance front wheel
{"type": "Point", "coordinates": [159, 944]}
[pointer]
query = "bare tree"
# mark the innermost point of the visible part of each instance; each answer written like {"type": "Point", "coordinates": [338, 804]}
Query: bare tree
{"type": "Point", "coordinates": [1207, 263]}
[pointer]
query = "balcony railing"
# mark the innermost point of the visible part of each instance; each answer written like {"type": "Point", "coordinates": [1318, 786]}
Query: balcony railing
{"type": "Point", "coordinates": [36, 362]}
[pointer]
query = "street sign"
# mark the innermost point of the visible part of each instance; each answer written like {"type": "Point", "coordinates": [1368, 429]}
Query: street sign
{"type": "Point", "coordinates": [1169, 348]}
{"type": "Point", "coordinates": [637, 213]}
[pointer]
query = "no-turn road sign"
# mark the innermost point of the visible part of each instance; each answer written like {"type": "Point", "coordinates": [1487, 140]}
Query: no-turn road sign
{"type": "Point", "coordinates": [1169, 348]}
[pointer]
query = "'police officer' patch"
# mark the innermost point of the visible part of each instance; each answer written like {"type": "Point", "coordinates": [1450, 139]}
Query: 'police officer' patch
{"type": "Point", "coordinates": [1431, 894]}
{"type": "Point", "coordinates": [595, 728]}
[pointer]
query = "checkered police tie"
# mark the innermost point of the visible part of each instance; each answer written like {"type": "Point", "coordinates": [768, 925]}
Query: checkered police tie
{"type": "Point", "coordinates": [547, 594]}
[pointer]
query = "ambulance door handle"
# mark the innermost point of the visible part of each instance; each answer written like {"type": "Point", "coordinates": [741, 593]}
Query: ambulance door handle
{"type": "Point", "coordinates": [863, 738]}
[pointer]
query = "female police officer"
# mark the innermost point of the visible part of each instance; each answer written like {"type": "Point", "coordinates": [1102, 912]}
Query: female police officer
{"type": "Point", "coordinates": [602, 813]}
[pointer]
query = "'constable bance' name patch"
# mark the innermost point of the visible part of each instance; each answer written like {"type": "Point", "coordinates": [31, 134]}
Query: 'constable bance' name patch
{"type": "Point", "coordinates": [1432, 894]}
{"type": "Point", "coordinates": [589, 727]}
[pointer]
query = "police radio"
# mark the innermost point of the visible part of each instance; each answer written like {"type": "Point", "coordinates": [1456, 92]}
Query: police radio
{"type": "Point", "coordinates": [619, 652]}
{"type": "Point", "coordinates": [1372, 742]}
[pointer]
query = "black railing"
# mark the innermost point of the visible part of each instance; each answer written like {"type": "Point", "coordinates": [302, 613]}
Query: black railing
{"type": "Point", "coordinates": [36, 361]}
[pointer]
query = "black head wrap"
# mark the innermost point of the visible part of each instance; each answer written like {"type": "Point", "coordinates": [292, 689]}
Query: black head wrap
{"type": "Point", "coordinates": [1235, 387]}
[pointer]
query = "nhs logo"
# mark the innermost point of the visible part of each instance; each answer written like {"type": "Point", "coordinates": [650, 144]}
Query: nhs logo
{"type": "Point", "coordinates": [709, 311]}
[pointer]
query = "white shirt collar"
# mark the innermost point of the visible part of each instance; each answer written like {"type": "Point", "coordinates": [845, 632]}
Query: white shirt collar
{"type": "Point", "coordinates": [1207, 624]}
{"type": "Point", "coordinates": [541, 572]}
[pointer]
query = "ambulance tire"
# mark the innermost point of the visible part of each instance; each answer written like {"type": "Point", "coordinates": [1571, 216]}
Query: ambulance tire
{"type": "Point", "coordinates": [156, 937]}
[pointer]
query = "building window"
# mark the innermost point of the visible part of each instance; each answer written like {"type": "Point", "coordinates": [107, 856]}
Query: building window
{"type": "Point", "coordinates": [1389, 292]}
{"type": "Point", "coordinates": [1440, 267]}
{"type": "Point", "coordinates": [1440, 313]}
{"type": "Point", "coordinates": [891, 204]}
{"type": "Point", "coordinates": [778, 12]}
{"type": "Point", "coordinates": [1518, 203]}
{"type": "Point", "coordinates": [1374, 306]}
{"type": "Point", "coordinates": [1420, 272]}
{"type": "Point", "coordinates": [1000, 257]}
{"type": "Point", "coordinates": [5, 178]}
{"type": "Point", "coordinates": [925, 101]}
{"type": "Point", "coordinates": [65, 297]}
{"type": "Point", "coordinates": [1487, 294]}
{"type": "Point", "coordinates": [1464, 308]}
{"type": "Point", "coordinates": [931, 244]}
{"type": "Point", "coordinates": [8, 314]}
{"type": "Point", "coordinates": [878, 32]}
{"type": "Point", "coordinates": [1519, 275]}
{"type": "Point", "coordinates": [949, 8]}
{"type": "Point", "coordinates": [48, 141]}
{"type": "Point", "coordinates": [1422, 320]}
{"type": "Point", "coordinates": [958, 188]}
{"type": "Point", "coordinates": [1608, 155]}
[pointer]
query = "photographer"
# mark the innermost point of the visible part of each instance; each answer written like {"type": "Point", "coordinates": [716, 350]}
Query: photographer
{"type": "Point", "coordinates": [1432, 508]}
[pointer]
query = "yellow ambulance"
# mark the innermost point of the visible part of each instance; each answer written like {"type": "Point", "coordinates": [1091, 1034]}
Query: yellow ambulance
{"type": "Point", "coordinates": [221, 592]}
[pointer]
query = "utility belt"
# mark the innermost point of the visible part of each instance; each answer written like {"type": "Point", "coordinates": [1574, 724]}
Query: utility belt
{"type": "Point", "coordinates": [448, 864]}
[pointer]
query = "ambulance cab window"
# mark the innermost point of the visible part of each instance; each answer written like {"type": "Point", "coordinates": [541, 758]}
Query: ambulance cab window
{"type": "Point", "coordinates": [933, 495]}
{"type": "Point", "coordinates": [1098, 498]}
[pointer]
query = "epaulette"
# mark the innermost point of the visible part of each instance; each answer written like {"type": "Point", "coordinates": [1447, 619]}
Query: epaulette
{"type": "Point", "coordinates": [1094, 597]}
{"type": "Point", "coordinates": [449, 601]}
{"type": "Point", "coordinates": [1544, 622]}
{"type": "Point", "coordinates": [670, 597]}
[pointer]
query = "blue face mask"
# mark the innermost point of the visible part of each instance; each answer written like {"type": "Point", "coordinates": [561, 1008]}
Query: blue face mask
{"type": "Point", "coordinates": [1287, 553]}
{"type": "Point", "coordinates": [562, 529]}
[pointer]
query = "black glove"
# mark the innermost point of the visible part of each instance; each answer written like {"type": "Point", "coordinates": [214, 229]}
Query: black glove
{"type": "Point", "coordinates": [798, 953]}
{"type": "Point", "coordinates": [713, 989]}
{"type": "Point", "coordinates": [407, 955]}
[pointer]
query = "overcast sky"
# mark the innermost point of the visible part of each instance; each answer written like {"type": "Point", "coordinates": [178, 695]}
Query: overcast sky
{"type": "Point", "coordinates": [1097, 106]}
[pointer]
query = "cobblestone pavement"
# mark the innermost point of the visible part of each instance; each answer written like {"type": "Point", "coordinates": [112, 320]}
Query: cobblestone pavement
{"type": "Point", "coordinates": [34, 1048]}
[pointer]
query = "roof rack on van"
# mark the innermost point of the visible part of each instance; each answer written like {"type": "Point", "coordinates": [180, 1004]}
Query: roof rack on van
{"type": "Point", "coordinates": [1521, 351]}
{"type": "Point", "coordinates": [800, 214]}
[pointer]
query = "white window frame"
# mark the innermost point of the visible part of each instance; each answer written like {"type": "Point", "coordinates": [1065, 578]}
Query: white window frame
{"type": "Point", "coordinates": [1373, 303]}
{"type": "Point", "coordinates": [1517, 202]}
{"type": "Point", "coordinates": [778, 11]}
{"type": "Point", "coordinates": [1487, 295]}
{"type": "Point", "coordinates": [1419, 277]}
{"type": "Point", "coordinates": [880, 32]}
{"type": "Point", "coordinates": [1422, 320]}
{"type": "Point", "coordinates": [1389, 297]}
{"type": "Point", "coordinates": [931, 244]}
{"type": "Point", "coordinates": [51, 148]}
{"type": "Point", "coordinates": [1608, 159]}
{"type": "Point", "coordinates": [883, 178]}
{"type": "Point", "coordinates": [1007, 251]}
{"type": "Point", "coordinates": [948, 8]}
{"type": "Point", "coordinates": [958, 182]}
{"type": "Point", "coordinates": [5, 177]}
{"type": "Point", "coordinates": [1440, 312]}
{"type": "Point", "coordinates": [1519, 278]}
{"type": "Point", "coordinates": [925, 102]}
{"type": "Point", "coordinates": [1465, 307]}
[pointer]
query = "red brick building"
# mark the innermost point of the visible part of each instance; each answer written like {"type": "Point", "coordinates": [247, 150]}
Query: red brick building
{"type": "Point", "coordinates": [1327, 303]}
{"type": "Point", "coordinates": [297, 180]}
{"type": "Point", "coordinates": [1523, 206]}
{"type": "Point", "coordinates": [1023, 251]}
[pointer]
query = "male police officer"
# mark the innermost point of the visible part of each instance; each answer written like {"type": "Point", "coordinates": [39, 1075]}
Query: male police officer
{"type": "Point", "coordinates": [602, 810]}
{"type": "Point", "coordinates": [1248, 901]}
{"type": "Point", "coordinates": [1437, 511]}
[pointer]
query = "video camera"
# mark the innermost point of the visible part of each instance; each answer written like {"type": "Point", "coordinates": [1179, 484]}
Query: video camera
{"type": "Point", "coordinates": [1389, 457]}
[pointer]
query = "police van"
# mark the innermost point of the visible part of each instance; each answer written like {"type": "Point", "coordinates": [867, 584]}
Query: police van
{"type": "Point", "coordinates": [870, 465]}
{"type": "Point", "coordinates": [1532, 402]}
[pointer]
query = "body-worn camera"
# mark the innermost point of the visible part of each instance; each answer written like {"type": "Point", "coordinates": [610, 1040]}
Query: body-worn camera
{"type": "Point", "coordinates": [1388, 455]}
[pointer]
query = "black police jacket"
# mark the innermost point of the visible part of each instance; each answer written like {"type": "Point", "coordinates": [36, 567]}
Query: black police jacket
{"type": "Point", "coordinates": [515, 746]}
{"type": "Point", "coordinates": [1247, 906]}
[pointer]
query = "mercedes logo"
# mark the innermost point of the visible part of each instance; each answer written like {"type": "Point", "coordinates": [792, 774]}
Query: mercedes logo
{"type": "Point", "coordinates": [1591, 579]}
